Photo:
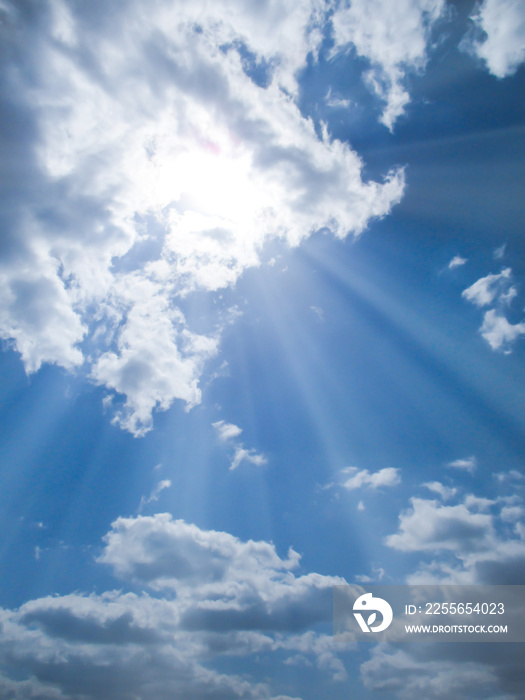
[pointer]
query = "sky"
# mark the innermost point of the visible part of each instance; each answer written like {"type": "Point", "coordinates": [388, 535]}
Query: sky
{"type": "Point", "coordinates": [262, 321]}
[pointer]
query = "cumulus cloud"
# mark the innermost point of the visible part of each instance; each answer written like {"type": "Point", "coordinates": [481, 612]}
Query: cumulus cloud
{"type": "Point", "coordinates": [474, 540]}
{"type": "Point", "coordinates": [498, 332]}
{"type": "Point", "coordinates": [215, 596]}
{"type": "Point", "coordinates": [356, 479]}
{"type": "Point", "coordinates": [489, 288]}
{"type": "Point", "coordinates": [393, 37]}
{"type": "Point", "coordinates": [498, 35]}
{"type": "Point", "coordinates": [148, 156]}
{"type": "Point", "coordinates": [431, 526]}
{"type": "Point", "coordinates": [227, 432]}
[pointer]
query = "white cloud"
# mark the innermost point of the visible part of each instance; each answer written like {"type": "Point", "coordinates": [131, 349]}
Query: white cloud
{"type": "Point", "coordinates": [227, 432]}
{"type": "Point", "coordinates": [150, 164]}
{"type": "Point", "coordinates": [215, 597]}
{"type": "Point", "coordinates": [498, 36]}
{"type": "Point", "coordinates": [457, 544]}
{"type": "Point", "coordinates": [498, 332]}
{"type": "Point", "coordinates": [488, 289]}
{"type": "Point", "coordinates": [477, 540]}
{"type": "Point", "coordinates": [431, 526]}
{"type": "Point", "coordinates": [356, 479]}
{"type": "Point", "coordinates": [468, 464]}
{"type": "Point", "coordinates": [241, 455]}
{"type": "Point", "coordinates": [446, 492]}
{"type": "Point", "coordinates": [393, 37]}
{"type": "Point", "coordinates": [336, 102]}
{"type": "Point", "coordinates": [154, 495]}
{"type": "Point", "coordinates": [457, 261]}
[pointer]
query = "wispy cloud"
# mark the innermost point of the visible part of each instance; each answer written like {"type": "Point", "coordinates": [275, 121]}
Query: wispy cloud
{"type": "Point", "coordinates": [227, 432]}
{"type": "Point", "coordinates": [154, 495]}
{"type": "Point", "coordinates": [468, 464]}
{"type": "Point", "coordinates": [457, 261]}
{"type": "Point", "coordinates": [356, 479]}
{"type": "Point", "coordinates": [499, 253]}
{"type": "Point", "coordinates": [446, 492]}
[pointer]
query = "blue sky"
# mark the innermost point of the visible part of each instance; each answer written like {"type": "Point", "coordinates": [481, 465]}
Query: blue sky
{"type": "Point", "coordinates": [262, 317]}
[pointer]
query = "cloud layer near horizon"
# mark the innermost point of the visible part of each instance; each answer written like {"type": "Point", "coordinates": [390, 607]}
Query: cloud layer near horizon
{"type": "Point", "coordinates": [203, 595]}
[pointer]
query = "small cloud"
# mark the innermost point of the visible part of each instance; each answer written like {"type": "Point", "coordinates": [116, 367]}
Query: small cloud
{"type": "Point", "coordinates": [154, 495]}
{"type": "Point", "coordinates": [318, 312]}
{"type": "Point", "coordinates": [469, 464]}
{"type": "Point", "coordinates": [477, 503]}
{"type": "Point", "coordinates": [377, 575]}
{"type": "Point", "coordinates": [457, 261]}
{"type": "Point", "coordinates": [445, 492]}
{"type": "Point", "coordinates": [244, 455]}
{"type": "Point", "coordinates": [513, 474]}
{"type": "Point", "coordinates": [488, 289]}
{"type": "Point", "coordinates": [226, 431]}
{"type": "Point", "coordinates": [336, 102]}
{"type": "Point", "coordinates": [511, 514]}
{"type": "Point", "coordinates": [499, 253]}
{"type": "Point", "coordinates": [38, 552]}
{"type": "Point", "coordinates": [360, 506]}
{"type": "Point", "coordinates": [358, 479]}
{"type": "Point", "coordinates": [498, 332]}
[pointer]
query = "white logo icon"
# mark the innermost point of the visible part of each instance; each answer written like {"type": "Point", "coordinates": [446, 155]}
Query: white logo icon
{"type": "Point", "coordinates": [367, 603]}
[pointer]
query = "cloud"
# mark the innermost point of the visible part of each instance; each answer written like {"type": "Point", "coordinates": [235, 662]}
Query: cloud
{"type": "Point", "coordinates": [475, 540]}
{"type": "Point", "coordinates": [393, 37]}
{"type": "Point", "coordinates": [488, 289]}
{"type": "Point", "coordinates": [154, 495]}
{"type": "Point", "coordinates": [241, 455]}
{"type": "Point", "coordinates": [215, 597]}
{"type": "Point", "coordinates": [457, 261]}
{"type": "Point", "coordinates": [374, 480]}
{"type": "Point", "coordinates": [498, 332]}
{"type": "Point", "coordinates": [498, 36]}
{"type": "Point", "coordinates": [413, 674]}
{"type": "Point", "coordinates": [468, 464]}
{"type": "Point", "coordinates": [430, 526]}
{"type": "Point", "coordinates": [145, 158]}
{"type": "Point", "coordinates": [499, 253]}
{"type": "Point", "coordinates": [227, 432]}
{"type": "Point", "coordinates": [446, 492]}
